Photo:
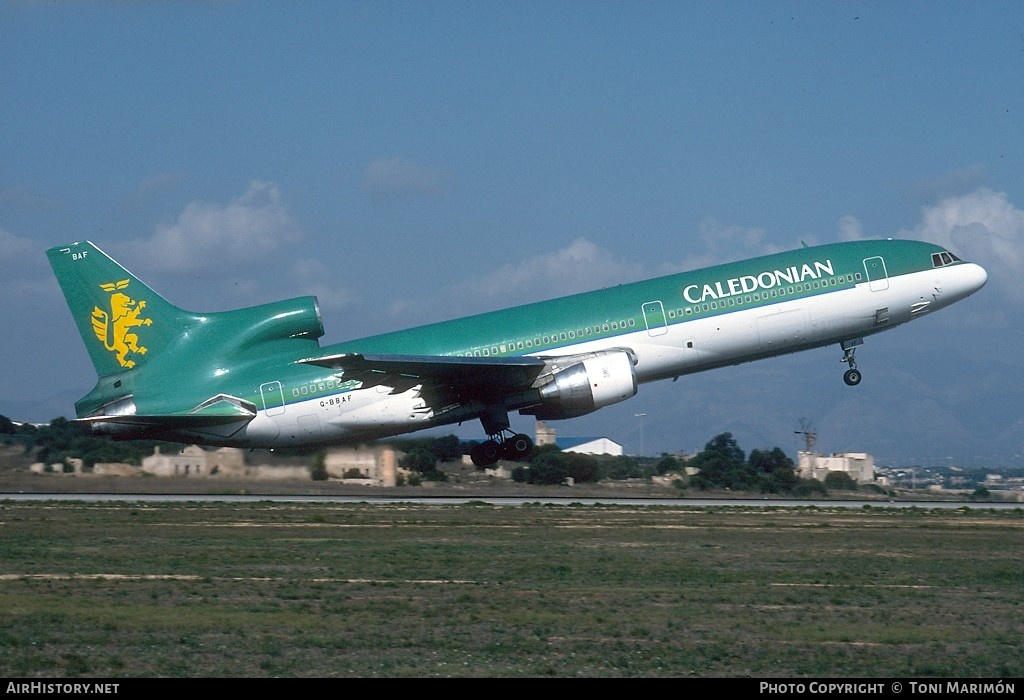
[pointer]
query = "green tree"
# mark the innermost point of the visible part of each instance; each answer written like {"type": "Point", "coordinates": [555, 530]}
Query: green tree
{"type": "Point", "coordinates": [424, 462]}
{"type": "Point", "coordinates": [722, 465]}
{"type": "Point", "coordinates": [420, 459]}
{"type": "Point", "coordinates": [549, 468]}
{"type": "Point", "coordinates": [538, 450]}
{"type": "Point", "coordinates": [776, 471]}
{"type": "Point", "coordinates": [840, 481]}
{"type": "Point", "coordinates": [624, 467]}
{"type": "Point", "coordinates": [809, 487]}
{"type": "Point", "coordinates": [667, 464]}
{"type": "Point", "coordinates": [445, 449]}
{"type": "Point", "coordinates": [582, 468]}
{"type": "Point", "coordinates": [55, 442]}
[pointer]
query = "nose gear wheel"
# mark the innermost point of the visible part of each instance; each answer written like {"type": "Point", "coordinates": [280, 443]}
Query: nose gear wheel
{"type": "Point", "coordinates": [851, 376]}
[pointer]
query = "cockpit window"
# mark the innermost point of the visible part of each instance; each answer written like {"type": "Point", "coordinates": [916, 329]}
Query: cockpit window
{"type": "Point", "coordinates": [944, 258]}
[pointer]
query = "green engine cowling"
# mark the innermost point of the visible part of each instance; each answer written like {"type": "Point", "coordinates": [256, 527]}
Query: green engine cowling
{"type": "Point", "coordinates": [290, 319]}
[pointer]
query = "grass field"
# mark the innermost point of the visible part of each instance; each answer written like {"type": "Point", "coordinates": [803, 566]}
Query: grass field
{"type": "Point", "coordinates": [130, 589]}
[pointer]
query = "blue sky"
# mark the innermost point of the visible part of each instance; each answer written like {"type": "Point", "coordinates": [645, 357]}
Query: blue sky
{"type": "Point", "coordinates": [409, 162]}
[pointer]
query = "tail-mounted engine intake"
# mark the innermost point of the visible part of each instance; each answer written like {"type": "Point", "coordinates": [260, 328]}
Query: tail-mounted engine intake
{"type": "Point", "coordinates": [291, 318]}
{"type": "Point", "coordinates": [587, 385]}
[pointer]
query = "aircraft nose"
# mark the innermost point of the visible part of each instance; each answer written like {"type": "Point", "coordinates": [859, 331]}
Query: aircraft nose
{"type": "Point", "coordinates": [974, 277]}
{"type": "Point", "coordinates": [965, 280]}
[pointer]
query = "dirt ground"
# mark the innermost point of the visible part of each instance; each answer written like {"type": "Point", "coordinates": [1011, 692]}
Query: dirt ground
{"type": "Point", "coordinates": [22, 482]}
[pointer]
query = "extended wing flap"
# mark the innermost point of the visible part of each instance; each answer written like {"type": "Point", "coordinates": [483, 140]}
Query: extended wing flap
{"type": "Point", "coordinates": [493, 374]}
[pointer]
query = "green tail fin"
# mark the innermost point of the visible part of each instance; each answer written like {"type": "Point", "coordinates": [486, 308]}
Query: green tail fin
{"type": "Point", "coordinates": [122, 321]}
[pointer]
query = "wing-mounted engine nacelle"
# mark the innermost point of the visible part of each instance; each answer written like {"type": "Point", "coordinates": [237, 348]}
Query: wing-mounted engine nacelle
{"type": "Point", "coordinates": [587, 385]}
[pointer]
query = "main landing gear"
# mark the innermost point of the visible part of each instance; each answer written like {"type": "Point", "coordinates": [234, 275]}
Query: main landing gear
{"type": "Point", "coordinates": [851, 376]}
{"type": "Point", "coordinates": [514, 447]}
{"type": "Point", "coordinates": [502, 443]}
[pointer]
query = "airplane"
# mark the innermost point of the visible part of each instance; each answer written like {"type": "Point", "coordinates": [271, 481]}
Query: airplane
{"type": "Point", "coordinates": [257, 377]}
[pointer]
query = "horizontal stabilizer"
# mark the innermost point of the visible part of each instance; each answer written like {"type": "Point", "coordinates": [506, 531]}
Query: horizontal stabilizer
{"type": "Point", "coordinates": [170, 427]}
{"type": "Point", "coordinates": [217, 411]}
{"type": "Point", "coordinates": [179, 422]}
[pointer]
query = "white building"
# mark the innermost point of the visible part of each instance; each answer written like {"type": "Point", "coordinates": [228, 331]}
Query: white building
{"type": "Point", "coordinates": [591, 446]}
{"type": "Point", "coordinates": [225, 462]}
{"type": "Point", "coordinates": [580, 445]}
{"type": "Point", "coordinates": [545, 434]}
{"type": "Point", "coordinates": [375, 465]}
{"type": "Point", "coordinates": [859, 466]}
{"type": "Point", "coordinates": [195, 461]}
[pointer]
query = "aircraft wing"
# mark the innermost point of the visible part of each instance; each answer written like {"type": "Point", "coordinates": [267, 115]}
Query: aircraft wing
{"type": "Point", "coordinates": [479, 376]}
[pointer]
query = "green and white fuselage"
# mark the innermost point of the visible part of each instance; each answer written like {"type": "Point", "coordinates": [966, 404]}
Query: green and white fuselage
{"type": "Point", "coordinates": [258, 377]}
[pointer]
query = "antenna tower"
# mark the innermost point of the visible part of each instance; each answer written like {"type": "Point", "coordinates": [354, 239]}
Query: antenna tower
{"type": "Point", "coordinates": [807, 430]}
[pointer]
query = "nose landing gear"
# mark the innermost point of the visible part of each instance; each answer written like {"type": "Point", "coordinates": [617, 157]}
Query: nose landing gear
{"type": "Point", "coordinates": [851, 376]}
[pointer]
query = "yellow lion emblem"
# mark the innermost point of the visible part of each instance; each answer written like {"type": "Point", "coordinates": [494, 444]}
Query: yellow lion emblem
{"type": "Point", "coordinates": [113, 328]}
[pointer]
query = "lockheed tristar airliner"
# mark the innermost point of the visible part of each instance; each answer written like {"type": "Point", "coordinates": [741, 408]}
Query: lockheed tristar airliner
{"type": "Point", "coordinates": [258, 377]}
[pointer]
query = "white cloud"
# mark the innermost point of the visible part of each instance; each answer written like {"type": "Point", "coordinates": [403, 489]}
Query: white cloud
{"type": "Point", "coordinates": [579, 267]}
{"type": "Point", "coordinates": [399, 177]}
{"type": "Point", "coordinates": [850, 229]}
{"type": "Point", "coordinates": [246, 229]}
{"type": "Point", "coordinates": [982, 226]}
{"type": "Point", "coordinates": [311, 278]}
{"type": "Point", "coordinates": [949, 184]}
{"type": "Point", "coordinates": [724, 243]}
